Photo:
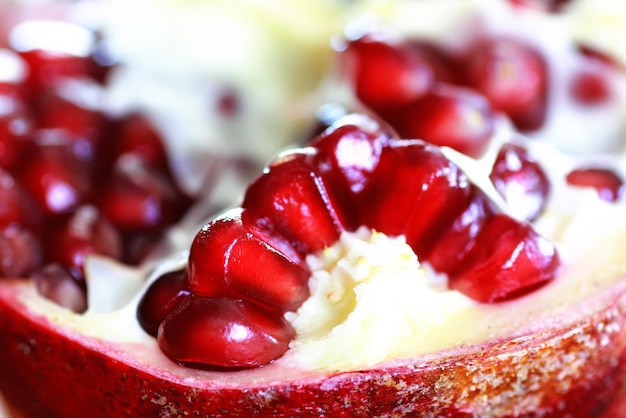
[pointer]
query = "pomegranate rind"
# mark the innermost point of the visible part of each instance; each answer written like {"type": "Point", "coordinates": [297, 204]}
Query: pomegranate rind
{"type": "Point", "coordinates": [565, 368]}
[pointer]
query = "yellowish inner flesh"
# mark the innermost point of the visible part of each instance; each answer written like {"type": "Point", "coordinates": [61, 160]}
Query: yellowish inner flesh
{"type": "Point", "coordinates": [373, 302]}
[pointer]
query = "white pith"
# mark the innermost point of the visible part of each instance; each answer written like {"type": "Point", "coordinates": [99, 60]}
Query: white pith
{"type": "Point", "coordinates": [409, 315]}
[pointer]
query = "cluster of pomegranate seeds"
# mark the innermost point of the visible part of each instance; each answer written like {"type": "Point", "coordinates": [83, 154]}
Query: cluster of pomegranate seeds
{"type": "Point", "coordinates": [453, 98]}
{"type": "Point", "coordinates": [74, 181]}
{"type": "Point", "coordinates": [247, 267]}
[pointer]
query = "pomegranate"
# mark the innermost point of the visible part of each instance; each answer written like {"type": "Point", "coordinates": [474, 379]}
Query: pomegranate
{"type": "Point", "coordinates": [410, 260]}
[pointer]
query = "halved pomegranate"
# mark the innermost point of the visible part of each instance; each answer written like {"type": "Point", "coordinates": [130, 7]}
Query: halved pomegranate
{"type": "Point", "coordinates": [364, 275]}
{"type": "Point", "coordinates": [306, 201]}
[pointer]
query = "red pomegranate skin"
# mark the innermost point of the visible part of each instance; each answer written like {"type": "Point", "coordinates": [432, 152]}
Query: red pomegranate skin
{"type": "Point", "coordinates": [563, 368]}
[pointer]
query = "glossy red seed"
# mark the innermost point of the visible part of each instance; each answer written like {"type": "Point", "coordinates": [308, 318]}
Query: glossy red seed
{"type": "Point", "coordinates": [84, 233]}
{"type": "Point", "coordinates": [15, 204]}
{"type": "Point", "coordinates": [76, 125]}
{"type": "Point", "coordinates": [591, 87]}
{"type": "Point", "coordinates": [354, 144]}
{"type": "Point", "coordinates": [291, 201]}
{"type": "Point", "coordinates": [386, 75]}
{"type": "Point", "coordinates": [53, 51]}
{"type": "Point", "coordinates": [55, 180]}
{"type": "Point", "coordinates": [139, 197]}
{"type": "Point", "coordinates": [456, 241]}
{"type": "Point", "coordinates": [141, 245]}
{"type": "Point", "coordinates": [227, 260]}
{"type": "Point", "coordinates": [449, 116]}
{"type": "Point", "coordinates": [137, 135]}
{"type": "Point", "coordinates": [15, 141]}
{"type": "Point", "coordinates": [513, 76]}
{"type": "Point", "coordinates": [222, 332]}
{"type": "Point", "coordinates": [444, 66]}
{"type": "Point", "coordinates": [508, 260]}
{"type": "Point", "coordinates": [607, 183]}
{"type": "Point", "coordinates": [160, 298]}
{"type": "Point", "coordinates": [521, 181]}
{"type": "Point", "coordinates": [20, 251]}
{"type": "Point", "coordinates": [56, 283]}
{"type": "Point", "coordinates": [415, 191]}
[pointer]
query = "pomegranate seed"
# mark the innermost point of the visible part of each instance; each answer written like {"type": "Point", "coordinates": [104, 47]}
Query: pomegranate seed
{"type": "Point", "coordinates": [508, 259]}
{"type": "Point", "coordinates": [16, 205]}
{"type": "Point", "coordinates": [20, 251]}
{"type": "Point", "coordinates": [608, 184]}
{"type": "Point", "coordinates": [228, 103]}
{"type": "Point", "coordinates": [449, 116]}
{"type": "Point", "coordinates": [55, 180]}
{"type": "Point", "coordinates": [386, 75]}
{"type": "Point", "coordinates": [415, 191]}
{"type": "Point", "coordinates": [138, 136]}
{"type": "Point", "coordinates": [80, 235]}
{"type": "Point", "coordinates": [53, 51]}
{"type": "Point", "coordinates": [514, 77]}
{"type": "Point", "coordinates": [72, 123]}
{"type": "Point", "coordinates": [15, 141]}
{"type": "Point", "coordinates": [220, 263]}
{"type": "Point", "coordinates": [57, 284]}
{"type": "Point", "coordinates": [292, 200]}
{"type": "Point", "coordinates": [590, 87]}
{"type": "Point", "coordinates": [444, 67]}
{"type": "Point", "coordinates": [454, 244]}
{"type": "Point", "coordinates": [521, 181]}
{"type": "Point", "coordinates": [159, 300]}
{"type": "Point", "coordinates": [354, 144]}
{"type": "Point", "coordinates": [139, 197]}
{"type": "Point", "coordinates": [223, 332]}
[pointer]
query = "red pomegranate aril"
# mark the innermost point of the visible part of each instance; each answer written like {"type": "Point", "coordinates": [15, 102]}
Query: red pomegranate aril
{"type": "Point", "coordinates": [521, 181]}
{"type": "Point", "coordinates": [53, 50]}
{"type": "Point", "coordinates": [15, 141]}
{"type": "Point", "coordinates": [223, 332]}
{"type": "Point", "coordinates": [138, 197]}
{"type": "Point", "coordinates": [514, 77]}
{"type": "Point", "coordinates": [444, 66]}
{"type": "Point", "coordinates": [16, 205]}
{"type": "Point", "coordinates": [137, 135]}
{"type": "Point", "coordinates": [84, 233]}
{"type": "Point", "coordinates": [450, 116]}
{"type": "Point", "coordinates": [20, 251]}
{"type": "Point", "coordinates": [227, 260]}
{"type": "Point", "coordinates": [454, 244]}
{"type": "Point", "coordinates": [354, 144]}
{"type": "Point", "coordinates": [72, 123]}
{"type": "Point", "coordinates": [160, 298]}
{"type": "Point", "coordinates": [55, 179]}
{"type": "Point", "coordinates": [56, 283]}
{"type": "Point", "coordinates": [607, 183]}
{"type": "Point", "coordinates": [290, 201]}
{"type": "Point", "coordinates": [507, 260]}
{"type": "Point", "coordinates": [48, 69]}
{"type": "Point", "coordinates": [591, 87]}
{"type": "Point", "coordinates": [386, 75]}
{"type": "Point", "coordinates": [415, 191]}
